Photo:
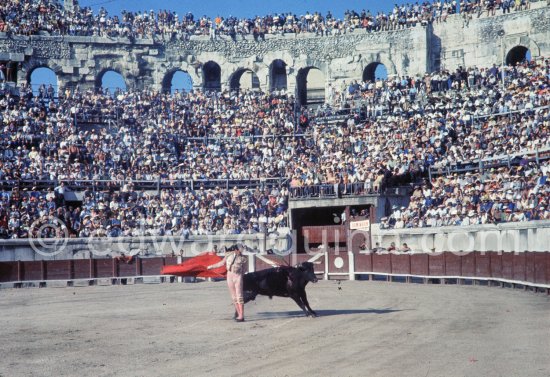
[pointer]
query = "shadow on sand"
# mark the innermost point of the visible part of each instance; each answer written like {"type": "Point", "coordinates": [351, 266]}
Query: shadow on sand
{"type": "Point", "coordinates": [324, 313]}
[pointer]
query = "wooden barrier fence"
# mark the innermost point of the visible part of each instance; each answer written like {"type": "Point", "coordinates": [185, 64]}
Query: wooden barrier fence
{"type": "Point", "coordinates": [526, 268]}
{"type": "Point", "coordinates": [81, 269]}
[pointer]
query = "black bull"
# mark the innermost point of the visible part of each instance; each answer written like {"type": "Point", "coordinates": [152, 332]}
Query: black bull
{"type": "Point", "coordinates": [283, 282]}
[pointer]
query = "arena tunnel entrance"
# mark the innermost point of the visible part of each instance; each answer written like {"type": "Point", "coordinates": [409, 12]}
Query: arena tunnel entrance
{"type": "Point", "coordinates": [322, 223]}
{"type": "Point", "coordinates": [177, 80]}
{"type": "Point", "coordinates": [311, 86]}
{"type": "Point", "coordinates": [212, 76]}
{"type": "Point", "coordinates": [375, 71]}
{"type": "Point", "coordinates": [278, 75]}
{"type": "Point", "coordinates": [244, 79]}
{"type": "Point", "coordinates": [518, 54]}
{"type": "Point", "coordinates": [111, 82]}
{"type": "Point", "coordinates": [43, 82]}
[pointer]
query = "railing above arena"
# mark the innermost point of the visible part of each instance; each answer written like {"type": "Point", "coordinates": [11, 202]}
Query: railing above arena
{"type": "Point", "coordinates": [318, 190]}
{"type": "Point", "coordinates": [143, 185]}
{"type": "Point", "coordinates": [331, 190]}
{"type": "Point", "coordinates": [537, 156]}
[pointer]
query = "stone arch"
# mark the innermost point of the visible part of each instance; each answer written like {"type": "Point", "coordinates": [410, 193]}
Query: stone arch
{"type": "Point", "coordinates": [28, 67]}
{"type": "Point", "coordinates": [373, 60]}
{"type": "Point", "coordinates": [372, 72]}
{"type": "Point", "coordinates": [278, 75]}
{"type": "Point", "coordinates": [251, 80]}
{"type": "Point", "coordinates": [42, 75]}
{"type": "Point", "coordinates": [101, 76]}
{"type": "Point", "coordinates": [168, 81]}
{"type": "Point", "coordinates": [310, 83]}
{"type": "Point", "coordinates": [518, 54]}
{"type": "Point", "coordinates": [212, 76]}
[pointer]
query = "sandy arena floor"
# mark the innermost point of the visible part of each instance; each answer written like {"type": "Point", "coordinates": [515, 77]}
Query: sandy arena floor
{"type": "Point", "coordinates": [364, 329]}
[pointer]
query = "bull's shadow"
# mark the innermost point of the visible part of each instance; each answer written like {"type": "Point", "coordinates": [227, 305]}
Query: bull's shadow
{"type": "Point", "coordinates": [324, 313]}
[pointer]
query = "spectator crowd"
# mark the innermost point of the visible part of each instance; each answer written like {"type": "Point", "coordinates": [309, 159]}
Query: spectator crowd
{"type": "Point", "coordinates": [405, 127]}
{"type": "Point", "coordinates": [29, 17]}
{"type": "Point", "coordinates": [130, 212]}
{"type": "Point", "coordinates": [495, 196]}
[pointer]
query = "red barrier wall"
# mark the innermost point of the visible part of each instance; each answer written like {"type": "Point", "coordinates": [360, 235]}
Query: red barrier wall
{"type": "Point", "coordinates": [333, 233]}
{"type": "Point", "coordinates": [381, 263]}
{"type": "Point", "coordinates": [419, 264]}
{"type": "Point", "coordinates": [530, 266]}
{"type": "Point", "coordinates": [344, 270]}
{"type": "Point", "coordinates": [519, 267]}
{"type": "Point", "coordinates": [540, 262]}
{"type": "Point", "coordinates": [9, 272]}
{"type": "Point", "coordinates": [363, 262]}
{"type": "Point", "coordinates": [151, 266]}
{"type": "Point", "coordinates": [58, 270]}
{"type": "Point", "coordinates": [468, 264]}
{"type": "Point", "coordinates": [104, 268]}
{"type": "Point", "coordinates": [482, 263]}
{"type": "Point", "coordinates": [507, 265]}
{"type": "Point", "coordinates": [259, 264]}
{"type": "Point", "coordinates": [128, 269]}
{"type": "Point", "coordinates": [401, 263]}
{"type": "Point", "coordinates": [496, 265]}
{"type": "Point", "coordinates": [32, 270]}
{"type": "Point", "coordinates": [83, 269]}
{"type": "Point", "coordinates": [453, 264]}
{"type": "Point", "coordinates": [533, 267]}
{"type": "Point", "coordinates": [170, 260]}
{"type": "Point", "coordinates": [436, 265]}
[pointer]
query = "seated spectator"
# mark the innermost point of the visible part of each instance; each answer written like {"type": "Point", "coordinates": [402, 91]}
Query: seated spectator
{"type": "Point", "coordinates": [404, 248]}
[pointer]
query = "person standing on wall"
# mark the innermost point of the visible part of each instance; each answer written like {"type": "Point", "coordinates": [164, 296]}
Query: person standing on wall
{"type": "Point", "coordinates": [235, 263]}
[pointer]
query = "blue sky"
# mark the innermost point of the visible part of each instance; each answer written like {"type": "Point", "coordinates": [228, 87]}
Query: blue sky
{"type": "Point", "coordinates": [241, 8]}
{"type": "Point", "coordinates": [212, 8]}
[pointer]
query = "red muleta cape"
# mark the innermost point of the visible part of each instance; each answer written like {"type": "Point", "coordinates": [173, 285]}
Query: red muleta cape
{"type": "Point", "coordinates": [196, 267]}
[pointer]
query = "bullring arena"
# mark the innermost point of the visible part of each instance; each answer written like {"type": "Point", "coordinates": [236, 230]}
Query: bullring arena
{"type": "Point", "coordinates": [364, 328]}
{"type": "Point", "coordinates": [400, 156]}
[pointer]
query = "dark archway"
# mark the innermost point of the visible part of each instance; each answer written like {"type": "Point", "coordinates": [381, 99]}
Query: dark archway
{"type": "Point", "coordinates": [111, 81]}
{"type": "Point", "coordinates": [177, 80]}
{"type": "Point", "coordinates": [43, 82]}
{"type": "Point", "coordinates": [278, 75]}
{"type": "Point", "coordinates": [310, 82]}
{"type": "Point", "coordinates": [375, 71]}
{"type": "Point", "coordinates": [244, 79]}
{"type": "Point", "coordinates": [518, 54]}
{"type": "Point", "coordinates": [212, 76]}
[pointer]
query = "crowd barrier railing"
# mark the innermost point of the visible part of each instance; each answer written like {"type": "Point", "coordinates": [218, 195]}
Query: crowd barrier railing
{"type": "Point", "coordinates": [505, 160]}
{"type": "Point", "coordinates": [94, 185]}
{"type": "Point", "coordinates": [331, 190]}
